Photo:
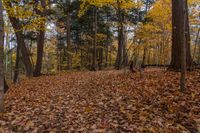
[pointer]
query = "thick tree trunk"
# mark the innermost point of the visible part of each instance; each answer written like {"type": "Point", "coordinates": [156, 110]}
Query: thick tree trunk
{"type": "Point", "coordinates": [20, 41]}
{"type": "Point", "coordinates": [125, 52]}
{"type": "Point", "coordinates": [183, 40]}
{"type": "Point", "coordinates": [25, 53]}
{"type": "Point", "coordinates": [176, 38]}
{"type": "Point", "coordinates": [1, 57]}
{"type": "Point", "coordinates": [119, 59]}
{"type": "Point", "coordinates": [40, 41]}
{"type": "Point", "coordinates": [121, 54]}
{"type": "Point", "coordinates": [40, 52]}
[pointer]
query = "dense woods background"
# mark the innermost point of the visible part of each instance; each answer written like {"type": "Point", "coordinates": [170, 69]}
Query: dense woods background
{"type": "Point", "coordinates": [82, 65]}
{"type": "Point", "coordinates": [52, 36]}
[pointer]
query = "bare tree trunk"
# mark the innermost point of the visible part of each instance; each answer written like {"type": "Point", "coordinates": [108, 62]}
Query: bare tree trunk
{"type": "Point", "coordinates": [25, 53]}
{"type": "Point", "coordinates": [20, 41]}
{"type": "Point", "coordinates": [196, 42]}
{"type": "Point", "coordinates": [107, 43]}
{"type": "Point", "coordinates": [119, 51]}
{"type": "Point", "coordinates": [176, 38]}
{"type": "Point", "coordinates": [183, 39]}
{"type": "Point", "coordinates": [95, 38]}
{"type": "Point", "coordinates": [68, 28]}
{"type": "Point", "coordinates": [11, 64]}
{"type": "Point", "coordinates": [16, 71]}
{"type": "Point", "coordinates": [1, 58]}
{"type": "Point", "coordinates": [110, 57]}
{"type": "Point", "coordinates": [100, 58]}
{"type": "Point", "coordinates": [144, 57]}
{"type": "Point", "coordinates": [149, 57]}
{"type": "Point", "coordinates": [106, 61]}
{"type": "Point", "coordinates": [119, 59]}
{"type": "Point", "coordinates": [40, 39]}
{"type": "Point", "coordinates": [189, 61]}
{"type": "Point", "coordinates": [40, 51]}
{"type": "Point", "coordinates": [125, 51]}
{"type": "Point", "coordinates": [198, 54]}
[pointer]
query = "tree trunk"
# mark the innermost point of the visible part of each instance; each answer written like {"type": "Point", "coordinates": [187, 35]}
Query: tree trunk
{"type": "Point", "coordinates": [176, 37]}
{"type": "Point", "coordinates": [40, 42]}
{"type": "Point", "coordinates": [107, 44]}
{"type": "Point", "coordinates": [25, 53]}
{"type": "Point", "coordinates": [125, 51]}
{"type": "Point", "coordinates": [189, 61]}
{"type": "Point", "coordinates": [95, 38]}
{"type": "Point", "coordinates": [144, 57]}
{"type": "Point", "coordinates": [20, 41]}
{"type": "Point", "coordinates": [40, 51]}
{"type": "Point", "coordinates": [183, 39]}
{"type": "Point", "coordinates": [110, 56]}
{"type": "Point", "coordinates": [121, 54]}
{"type": "Point", "coordinates": [119, 59]}
{"type": "Point", "coordinates": [100, 58]}
{"type": "Point", "coordinates": [68, 28]}
{"type": "Point", "coordinates": [196, 42]}
{"type": "Point", "coordinates": [11, 64]}
{"type": "Point", "coordinates": [106, 61]}
{"type": "Point", "coordinates": [16, 71]}
{"type": "Point", "coordinates": [1, 58]}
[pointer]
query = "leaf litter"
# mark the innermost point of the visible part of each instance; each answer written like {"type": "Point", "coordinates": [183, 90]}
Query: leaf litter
{"type": "Point", "coordinates": [104, 102]}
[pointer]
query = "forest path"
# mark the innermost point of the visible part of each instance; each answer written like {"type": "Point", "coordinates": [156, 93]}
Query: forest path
{"type": "Point", "coordinates": [104, 101]}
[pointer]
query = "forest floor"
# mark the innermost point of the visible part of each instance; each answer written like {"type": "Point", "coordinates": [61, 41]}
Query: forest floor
{"type": "Point", "coordinates": [104, 101]}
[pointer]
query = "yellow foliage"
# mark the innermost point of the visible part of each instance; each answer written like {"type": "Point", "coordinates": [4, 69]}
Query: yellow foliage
{"type": "Point", "coordinates": [26, 12]}
{"type": "Point", "coordinates": [123, 4]}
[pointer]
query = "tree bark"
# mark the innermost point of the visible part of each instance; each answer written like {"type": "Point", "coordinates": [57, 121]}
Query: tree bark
{"type": "Point", "coordinates": [95, 39]}
{"type": "Point", "coordinates": [100, 58]}
{"type": "Point", "coordinates": [125, 51]}
{"type": "Point", "coordinates": [1, 58]}
{"type": "Point", "coordinates": [16, 71]}
{"type": "Point", "coordinates": [107, 44]}
{"type": "Point", "coordinates": [25, 53]}
{"type": "Point", "coordinates": [20, 41]}
{"type": "Point", "coordinates": [196, 42]}
{"type": "Point", "coordinates": [40, 43]}
{"type": "Point", "coordinates": [176, 37]}
{"type": "Point", "coordinates": [40, 51]}
{"type": "Point", "coordinates": [121, 53]}
{"type": "Point", "coordinates": [68, 28]}
{"type": "Point", "coordinates": [183, 38]}
{"type": "Point", "coordinates": [110, 56]}
{"type": "Point", "coordinates": [119, 59]}
{"type": "Point", "coordinates": [144, 56]}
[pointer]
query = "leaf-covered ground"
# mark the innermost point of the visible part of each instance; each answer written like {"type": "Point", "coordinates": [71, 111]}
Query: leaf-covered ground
{"type": "Point", "coordinates": [105, 101]}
